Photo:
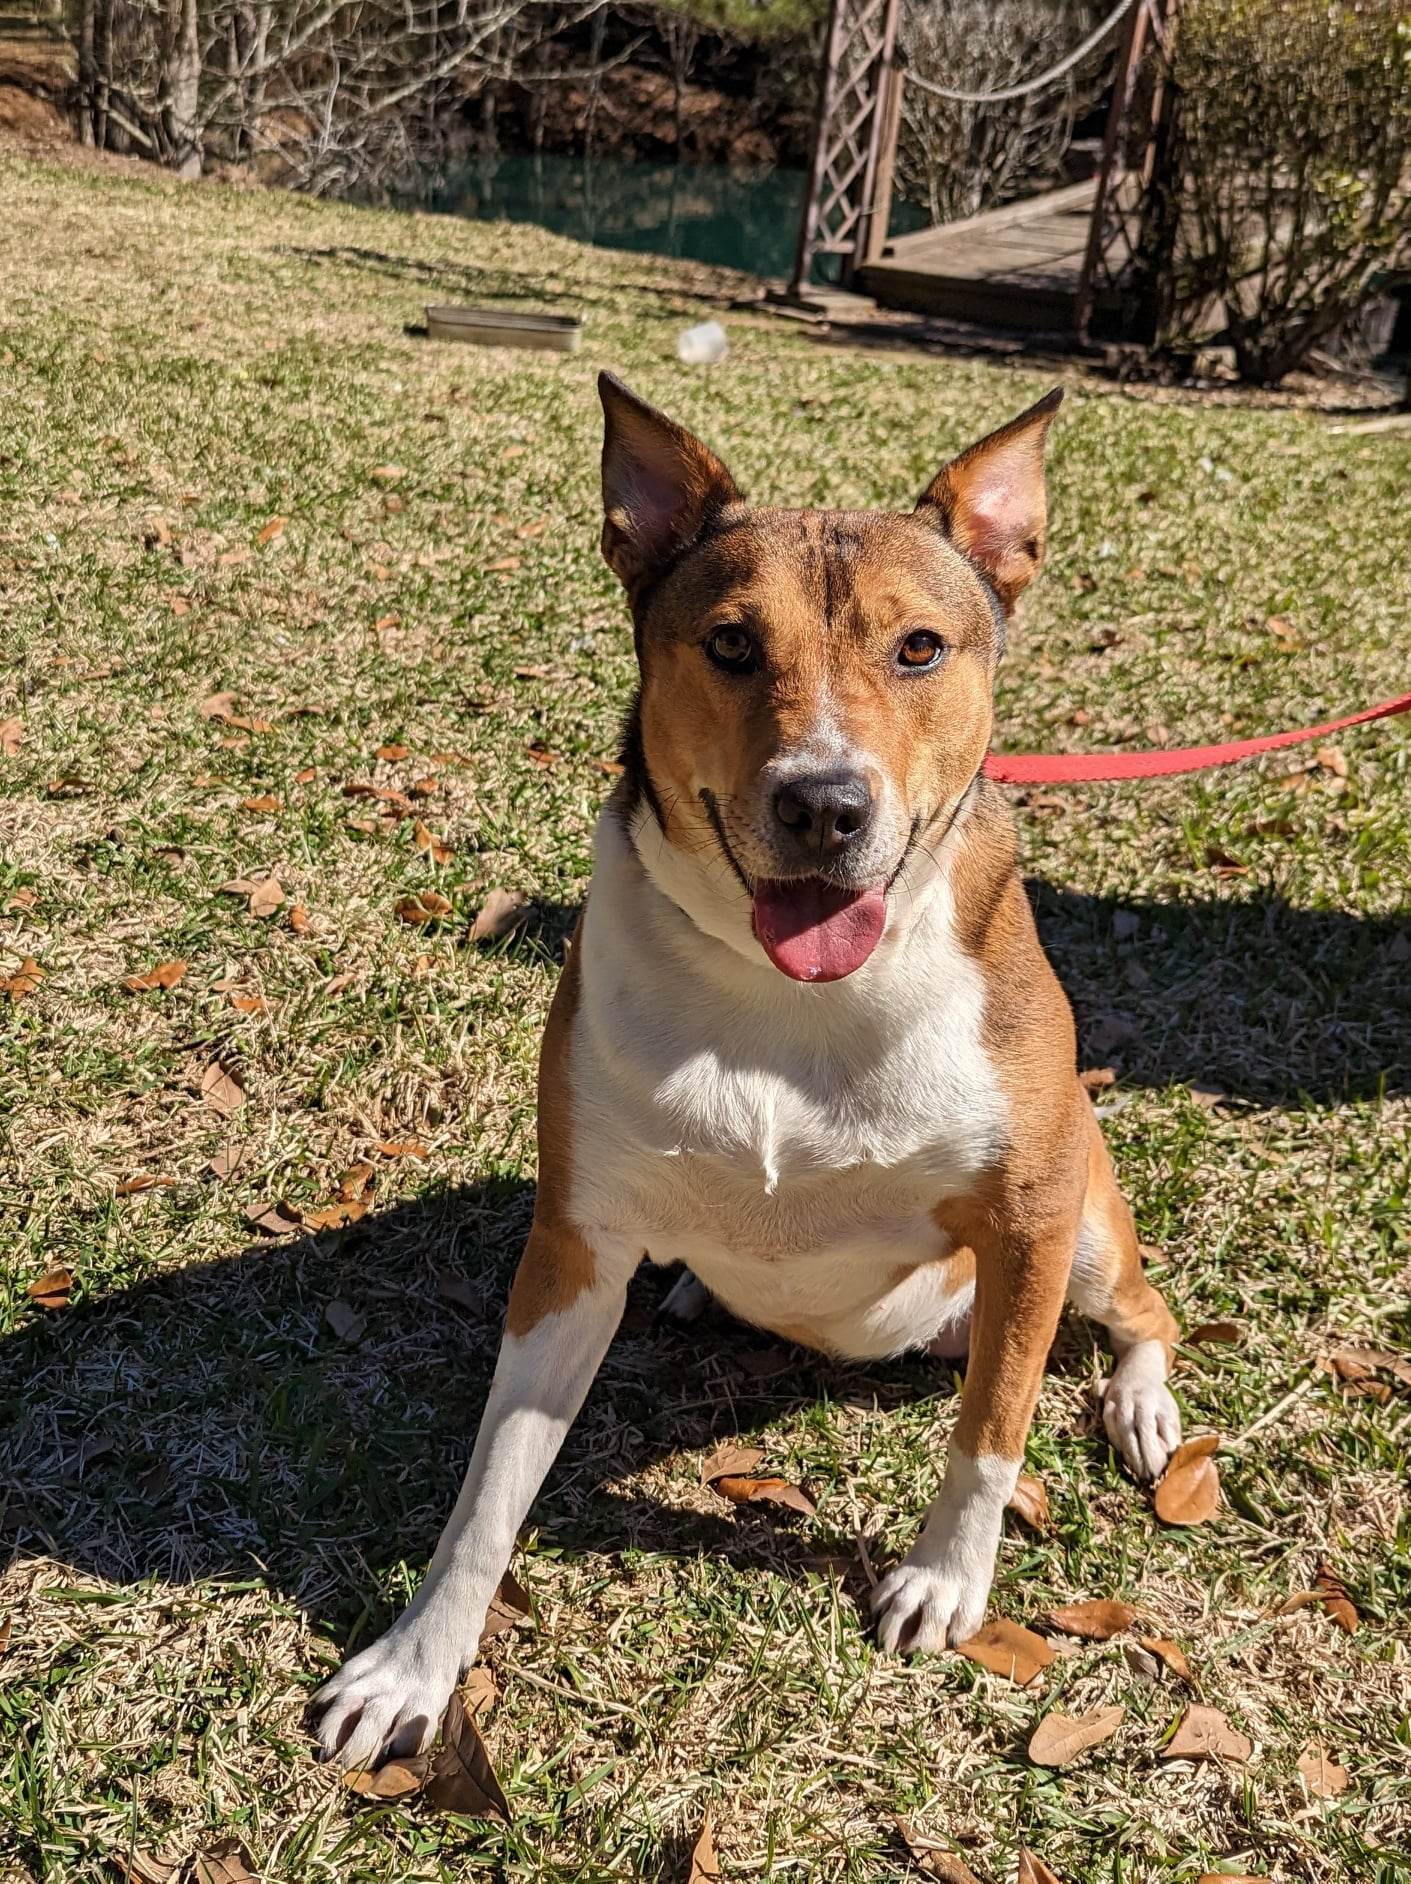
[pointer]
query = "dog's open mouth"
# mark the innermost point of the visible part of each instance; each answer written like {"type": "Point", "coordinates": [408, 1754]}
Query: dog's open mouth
{"type": "Point", "coordinates": [813, 930]}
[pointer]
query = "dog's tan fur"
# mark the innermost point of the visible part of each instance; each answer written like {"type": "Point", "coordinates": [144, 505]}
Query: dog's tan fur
{"type": "Point", "coordinates": [844, 1165]}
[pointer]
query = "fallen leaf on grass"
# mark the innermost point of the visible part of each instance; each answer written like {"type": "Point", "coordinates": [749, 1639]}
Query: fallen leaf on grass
{"type": "Point", "coordinates": [228, 1160]}
{"type": "Point", "coordinates": [1205, 1734]}
{"type": "Point", "coordinates": [1354, 1365]}
{"type": "Point", "coordinates": [266, 897]}
{"type": "Point", "coordinates": [269, 531]}
{"type": "Point", "coordinates": [24, 981]}
{"type": "Point", "coordinates": [425, 787]}
{"type": "Point", "coordinates": [478, 1691]}
{"type": "Point", "coordinates": [1060, 1738]}
{"type": "Point", "coordinates": [1007, 1648]}
{"type": "Point", "coordinates": [730, 1462]}
{"type": "Point", "coordinates": [1207, 1097]}
{"type": "Point", "coordinates": [144, 1181]}
{"type": "Point", "coordinates": [22, 899]}
{"type": "Point", "coordinates": [401, 1148]}
{"type": "Point", "coordinates": [705, 1866]}
{"type": "Point", "coordinates": [426, 906]}
{"type": "Point", "coordinates": [217, 706]}
{"type": "Point", "coordinates": [249, 1003]}
{"type": "Point", "coordinates": [1336, 1601]}
{"type": "Point", "coordinates": [11, 734]}
{"type": "Point", "coordinates": [931, 1856]}
{"type": "Point", "coordinates": [1033, 1870]}
{"type": "Point", "coordinates": [508, 1607]}
{"type": "Point", "coordinates": [52, 1289]}
{"type": "Point", "coordinates": [225, 1863]}
{"type": "Point", "coordinates": [541, 754]}
{"type": "Point", "coordinates": [502, 564]}
{"type": "Point", "coordinates": [500, 913]}
{"type": "Point", "coordinates": [334, 1216]}
{"type": "Point", "coordinates": [161, 975]}
{"type": "Point", "coordinates": [462, 1778]}
{"type": "Point", "coordinates": [222, 1090]}
{"type": "Point", "coordinates": [392, 752]}
{"type": "Point", "coordinates": [1330, 759]}
{"type": "Point", "coordinates": [1228, 1332]}
{"type": "Point", "coordinates": [307, 776]}
{"type": "Point", "coordinates": [299, 920]}
{"type": "Point", "coordinates": [275, 1219]}
{"type": "Point", "coordinates": [264, 801]}
{"type": "Point", "coordinates": [427, 841]}
{"type": "Point", "coordinates": [6, 1631]}
{"type": "Point", "coordinates": [1322, 1775]}
{"type": "Point", "coordinates": [1095, 1621]}
{"type": "Point", "coordinates": [1189, 1490]}
{"type": "Point", "coordinates": [765, 1491]}
{"type": "Point", "coordinates": [387, 473]}
{"type": "Point", "coordinates": [1029, 1502]}
{"type": "Point", "coordinates": [145, 1867]}
{"type": "Point", "coordinates": [394, 1780]}
{"type": "Point", "coordinates": [345, 1321]}
{"type": "Point", "coordinates": [1171, 1655]}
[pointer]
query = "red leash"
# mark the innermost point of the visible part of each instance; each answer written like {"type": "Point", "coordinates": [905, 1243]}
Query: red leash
{"type": "Point", "coordinates": [1082, 768]}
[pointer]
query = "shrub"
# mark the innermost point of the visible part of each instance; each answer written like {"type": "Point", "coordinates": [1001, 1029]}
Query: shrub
{"type": "Point", "coordinates": [955, 160]}
{"type": "Point", "coordinates": [1293, 145]}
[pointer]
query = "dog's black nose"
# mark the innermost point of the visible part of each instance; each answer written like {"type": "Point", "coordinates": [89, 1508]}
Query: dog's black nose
{"type": "Point", "coordinates": [823, 812]}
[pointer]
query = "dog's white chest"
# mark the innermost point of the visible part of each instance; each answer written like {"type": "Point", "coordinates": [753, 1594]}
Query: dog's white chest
{"type": "Point", "coordinates": [789, 1143]}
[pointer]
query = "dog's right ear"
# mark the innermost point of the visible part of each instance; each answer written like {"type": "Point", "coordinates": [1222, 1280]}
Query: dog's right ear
{"type": "Point", "coordinates": [661, 485]}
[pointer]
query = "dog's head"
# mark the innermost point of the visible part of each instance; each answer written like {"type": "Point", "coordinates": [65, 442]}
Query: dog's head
{"type": "Point", "coordinates": [815, 698]}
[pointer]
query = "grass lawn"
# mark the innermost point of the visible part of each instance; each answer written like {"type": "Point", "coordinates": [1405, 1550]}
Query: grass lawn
{"type": "Point", "coordinates": [230, 477]}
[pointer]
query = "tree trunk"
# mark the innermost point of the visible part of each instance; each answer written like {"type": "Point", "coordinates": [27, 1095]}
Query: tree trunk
{"type": "Point", "coordinates": [183, 93]}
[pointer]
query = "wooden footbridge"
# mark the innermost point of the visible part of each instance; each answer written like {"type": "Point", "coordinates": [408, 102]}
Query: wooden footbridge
{"type": "Point", "coordinates": [1074, 261]}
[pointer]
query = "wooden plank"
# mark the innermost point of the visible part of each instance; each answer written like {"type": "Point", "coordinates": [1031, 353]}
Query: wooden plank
{"type": "Point", "coordinates": [1073, 199]}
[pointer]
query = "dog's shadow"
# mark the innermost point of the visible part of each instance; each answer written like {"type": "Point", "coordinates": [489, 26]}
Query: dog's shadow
{"type": "Point", "coordinates": [215, 1421]}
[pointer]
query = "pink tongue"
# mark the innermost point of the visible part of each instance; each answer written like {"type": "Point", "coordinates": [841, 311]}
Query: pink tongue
{"type": "Point", "coordinates": [815, 932]}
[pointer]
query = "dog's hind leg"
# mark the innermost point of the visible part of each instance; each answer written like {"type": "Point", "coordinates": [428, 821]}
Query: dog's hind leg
{"type": "Point", "coordinates": [687, 1298]}
{"type": "Point", "coordinates": [1107, 1284]}
{"type": "Point", "coordinates": [567, 1300]}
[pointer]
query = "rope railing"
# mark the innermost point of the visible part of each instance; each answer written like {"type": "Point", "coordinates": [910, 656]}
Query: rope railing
{"type": "Point", "coordinates": [1055, 72]}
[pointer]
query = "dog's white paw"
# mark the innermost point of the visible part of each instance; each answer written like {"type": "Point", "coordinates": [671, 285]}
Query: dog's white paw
{"type": "Point", "coordinates": [386, 1701]}
{"type": "Point", "coordinates": [1142, 1420]}
{"type": "Point", "coordinates": [687, 1298]}
{"type": "Point", "coordinates": [922, 1607]}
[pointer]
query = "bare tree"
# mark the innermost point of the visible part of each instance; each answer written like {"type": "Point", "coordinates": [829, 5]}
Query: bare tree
{"type": "Point", "coordinates": [337, 91]}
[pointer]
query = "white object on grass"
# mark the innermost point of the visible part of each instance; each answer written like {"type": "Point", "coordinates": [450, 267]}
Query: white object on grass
{"type": "Point", "coordinates": [703, 345]}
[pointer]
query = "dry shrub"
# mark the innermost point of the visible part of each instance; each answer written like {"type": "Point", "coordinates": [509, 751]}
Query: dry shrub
{"type": "Point", "coordinates": [1293, 143]}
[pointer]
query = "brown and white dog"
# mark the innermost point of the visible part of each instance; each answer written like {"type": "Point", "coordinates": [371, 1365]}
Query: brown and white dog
{"type": "Point", "coordinates": [806, 1041]}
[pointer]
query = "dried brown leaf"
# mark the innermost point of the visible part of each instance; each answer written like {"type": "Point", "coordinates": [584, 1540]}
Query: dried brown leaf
{"type": "Point", "coordinates": [1171, 1655]}
{"type": "Point", "coordinates": [768, 1491]}
{"type": "Point", "coordinates": [1336, 1601]}
{"type": "Point", "coordinates": [299, 920]}
{"type": "Point", "coordinates": [501, 912]}
{"type": "Point", "coordinates": [274, 1219]}
{"type": "Point", "coordinates": [228, 1160]}
{"type": "Point", "coordinates": [11, 735]}
{"type": "Point", "coordinates": [1007, 1648]}
{"type": "Point", "coordinates": [426, 906]}
{"type": "Point", "coordinates": [52, 1289]}
{"type": "Point", "coordinates": [249, 1003]}
{"type": "Point", "coordinates": [730, 1461]}
{"type": "Point", "coordinates": [462, 1778]}
{"type": "Point", "coordinates": [393, 753]}
{"type": "Point", "coordinates": [434, 847]}
{"type": "Point", "coordinates": [543, 755]}
{"type": "Point", "coordinates": [334, 1216]}
{"type": "Point", "coordinates": [508, 1607]}
{"type": "Point", "coordinates": [1189, 1490]}
{"type": "Point", "coordinates": [217, 706]}
{"type": "Point", "coordinates": [479, 1692]}
{"type": "Point", "coordinates": [1033, 1870]}
{"type": "Point", "coordinates": [1205, 1734]}
{"type": "Point", "coordinates": [266, 897]}
{"type": "Point", "coordinates": [25, 981]}
{"type": "Point", "coordinates": [263, 801]}
{"type": "Point", "coordinates": [269, 531]}
{"type": "Point", "coordinates": [144, 1181]}
{"type": "Point", "coordinates": [222, 1090]}
{"type": "Point", "coordinates": [1095, 1621]}
{"type": "Point", "coordinates": [1322, 1775]}
{"type": "Point", "coordinates": [1029, 1502]}
{"type": "Point", "coordinates": [931, 1856]}
{"type": "Point", "coordinates": [225, 1863]}
{"type": "Point", "coordinates": [395, 1779]}
{"type": "Point", "coordinates": [146, 1867]}
{"type": "Point", "coordinates": [160, 975]}
{"type": "Point", "coordinates": [705, 1866]}
{"type": "Point", "coordinates": [1059, 1739]}
{"type": "Point", "coordinates": [345, 1321]}
{"type": "Point", "coordinates": [402, 1148]}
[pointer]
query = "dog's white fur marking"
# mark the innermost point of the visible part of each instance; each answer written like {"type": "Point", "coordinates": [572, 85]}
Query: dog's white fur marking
{"type": "Point", "coordinates": [937, 1594]}
{"type": "Point", "coordinates": [390, 1698]}
{"type": "Point", "coordinates": [789, 1143]}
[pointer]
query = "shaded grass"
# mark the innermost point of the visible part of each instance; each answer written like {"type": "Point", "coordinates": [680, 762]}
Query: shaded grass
{"type": "Point", "coordinates": [211, 1496]}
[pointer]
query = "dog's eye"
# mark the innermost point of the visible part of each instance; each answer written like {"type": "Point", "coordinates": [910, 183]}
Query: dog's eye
{"type": "Point", "coordinates": [732, 648]}
{"type": "Point", "coordinates": [920, 649]}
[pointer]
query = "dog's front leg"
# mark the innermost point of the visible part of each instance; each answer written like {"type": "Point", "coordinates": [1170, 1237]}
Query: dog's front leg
{"type": "Point", "coordinates": [565, 1305]}
{"type": "Point", "coordinates": [937, 1594]}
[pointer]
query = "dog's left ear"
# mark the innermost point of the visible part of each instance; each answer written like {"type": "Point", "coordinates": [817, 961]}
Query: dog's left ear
{"type": "Point", "coordinates": [661, 485]}
{"type": "Point", "coordinates": [991, 502]}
